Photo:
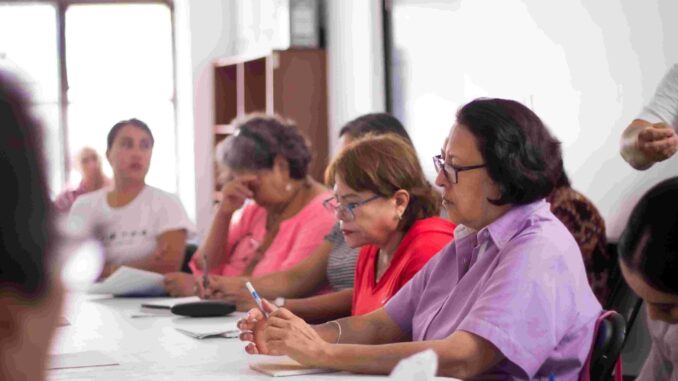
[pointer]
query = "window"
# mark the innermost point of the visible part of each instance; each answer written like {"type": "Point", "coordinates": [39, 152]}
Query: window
{"type": "Point", "coordinates": [118, 65]}
{"type": "Point", "coordinates": [28, 48]}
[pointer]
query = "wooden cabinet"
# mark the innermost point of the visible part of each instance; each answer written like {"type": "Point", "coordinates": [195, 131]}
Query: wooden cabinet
{"type": "Point", "coordinates": [292, 83]}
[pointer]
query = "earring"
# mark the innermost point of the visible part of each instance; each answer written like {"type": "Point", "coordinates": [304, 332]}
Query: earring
{"type": "Point", "coordinates": [288, 187]}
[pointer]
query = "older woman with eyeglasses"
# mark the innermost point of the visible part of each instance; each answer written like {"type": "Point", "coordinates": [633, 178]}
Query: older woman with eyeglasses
{"type": "Point", "coordinates": [507, 299]}
{"type": "Point", "coordinates": [384, 205]}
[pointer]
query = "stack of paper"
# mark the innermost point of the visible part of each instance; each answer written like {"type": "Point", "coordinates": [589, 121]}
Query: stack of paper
{"type": "Point", "coordinates": [127, 281]}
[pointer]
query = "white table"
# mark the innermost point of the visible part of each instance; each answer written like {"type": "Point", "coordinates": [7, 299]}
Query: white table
{"type": "Point", "coordinates": [151, 349]}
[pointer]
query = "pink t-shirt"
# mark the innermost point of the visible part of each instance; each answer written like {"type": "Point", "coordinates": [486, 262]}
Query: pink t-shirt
{"type": "Point", "coordinates": [297, 237]}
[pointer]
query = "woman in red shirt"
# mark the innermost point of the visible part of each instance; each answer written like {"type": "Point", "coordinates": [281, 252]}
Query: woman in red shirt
{"type": "Point", "coordinates": [384, 204]}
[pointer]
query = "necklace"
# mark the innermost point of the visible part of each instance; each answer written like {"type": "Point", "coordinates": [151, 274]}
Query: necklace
{"type": "Point", "coordinates": [273, 218]}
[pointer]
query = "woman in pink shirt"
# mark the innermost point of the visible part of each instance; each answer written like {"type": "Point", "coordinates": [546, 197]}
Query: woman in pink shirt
{"type": "Point", "coordinates": [88, 162]}
{"type": "Point", "coordinates": [267, 161]}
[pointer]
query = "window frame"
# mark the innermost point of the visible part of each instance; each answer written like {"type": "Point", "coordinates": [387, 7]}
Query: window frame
{"type": "Point", "coordinates": [61, 6]}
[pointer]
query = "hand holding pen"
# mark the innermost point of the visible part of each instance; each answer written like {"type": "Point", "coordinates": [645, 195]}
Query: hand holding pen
{"type": "Point", "coordinates": [257, 298]}
{"type": "Point", "coordinates": [205, 271]}
{"type": "Point", "coordinates": [252, 327]}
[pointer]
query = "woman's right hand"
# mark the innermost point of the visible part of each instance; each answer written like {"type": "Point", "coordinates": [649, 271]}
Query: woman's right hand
{"type": "Point", "coordinates": [235, 192]}
{"type": "Point", "coordinates": [179, 284]}
{"type": "Point", "coordinates": [219, 286]}
{"type": "Point", "coordinates": [253, 329]}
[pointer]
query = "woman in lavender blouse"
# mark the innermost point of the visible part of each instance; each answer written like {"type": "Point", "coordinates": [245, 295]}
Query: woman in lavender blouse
{"type": "Point", "coordinates": [507, 299]}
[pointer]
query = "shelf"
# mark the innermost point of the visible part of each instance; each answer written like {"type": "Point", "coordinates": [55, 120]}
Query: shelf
{"type": "Point", "coordinates": [224, 129]}
{"type": "Point", "coordinates": [291, 83]}
{"type": "Point", "coordinates": [234, 60]}
{"type": "Point", "coordinates": [226, 94]}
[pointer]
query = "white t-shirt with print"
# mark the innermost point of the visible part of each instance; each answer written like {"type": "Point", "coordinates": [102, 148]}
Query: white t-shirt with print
{"type": "Point", "coordinates": [664, 104]}
{"type": "Point", "coordinates": [130, 232]}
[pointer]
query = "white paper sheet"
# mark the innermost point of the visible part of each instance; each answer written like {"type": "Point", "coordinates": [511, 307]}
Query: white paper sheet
{"type": "Point", "coordinates": [206, 334]}
{"type": "Point", "coordinates": [80, 360]}
{"type": "Point", "coordinates": [168, 302]}
{"type": "Point", "coordinates": [127, 281]}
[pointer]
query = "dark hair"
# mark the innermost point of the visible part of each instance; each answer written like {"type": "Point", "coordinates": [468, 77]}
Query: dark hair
{"type": "Point", "coordinates": [522, 157]}
{"type": "Point", "coordinates": [130, 122]}
{"type": "Point", "coordinates": [649, 243]}
{"type": "Point", "coordinates": [377, 123]}
{"type": "Point", "coordinates": [384, 164]}
{"type": "Point", "coordinates": [26, 226]}
{"type": "Point", "coordinates": [563, 179]}
{"type": "Point", "coordinates": [259, 138]}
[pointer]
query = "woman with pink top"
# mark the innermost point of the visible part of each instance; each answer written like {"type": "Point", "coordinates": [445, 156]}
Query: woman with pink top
{"type": "Point", "coordinates": [267, 161]}
{"type": "Point", "coordinates": [88, 163]}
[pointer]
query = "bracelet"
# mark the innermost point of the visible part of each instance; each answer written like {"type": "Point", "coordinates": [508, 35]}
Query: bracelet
{"type": "Point", "coordinates": [338, 327]}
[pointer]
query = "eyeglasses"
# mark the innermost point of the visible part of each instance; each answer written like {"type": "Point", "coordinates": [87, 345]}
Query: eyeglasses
{"type": "Point", "coordinates": [345, 212]}
{"type": "Point", "coordinates": [450, 171]}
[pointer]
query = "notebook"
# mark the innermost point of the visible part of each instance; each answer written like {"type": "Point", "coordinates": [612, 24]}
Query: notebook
{"type": "Point", "coordinates": [287, 367]}
{"type": "Point", "coordinates": [166, 303]}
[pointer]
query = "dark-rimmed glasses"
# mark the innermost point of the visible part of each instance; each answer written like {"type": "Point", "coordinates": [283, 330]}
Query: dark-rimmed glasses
{"type": "Point", "coordinates": [345, 212]}
{"type": "Point", "coordinates": [450, 171]}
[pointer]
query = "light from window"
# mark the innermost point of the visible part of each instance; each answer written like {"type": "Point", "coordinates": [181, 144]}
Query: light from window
{"type": "Point", "coordinates": [120, 66]}
{"type": "Point", "coordinates": [28, 49]}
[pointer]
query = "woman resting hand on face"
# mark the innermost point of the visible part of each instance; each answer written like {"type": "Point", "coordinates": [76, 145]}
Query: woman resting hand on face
{"type": "Point", "coordinates": [265, 161]}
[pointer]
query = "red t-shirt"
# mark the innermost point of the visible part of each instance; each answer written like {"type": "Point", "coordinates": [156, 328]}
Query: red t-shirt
{"type": "Point", "coordinates": [424, 240]}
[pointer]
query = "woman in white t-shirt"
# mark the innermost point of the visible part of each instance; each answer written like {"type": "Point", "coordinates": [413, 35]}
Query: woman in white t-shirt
{"type": "Point", "coordinates": [138, 225]}
{"type": "Point", "coordinates": [653, 136]}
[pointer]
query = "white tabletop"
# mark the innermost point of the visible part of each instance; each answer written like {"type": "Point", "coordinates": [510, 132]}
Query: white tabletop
{"type": "Point", "coordinates": [151, 348]}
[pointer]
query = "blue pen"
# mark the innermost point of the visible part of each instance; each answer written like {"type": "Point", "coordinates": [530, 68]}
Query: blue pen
{"type": "Point", "coordinates": [256, 297]}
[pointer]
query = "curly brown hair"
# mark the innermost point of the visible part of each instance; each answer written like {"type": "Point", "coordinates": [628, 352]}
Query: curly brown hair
{"type": "Point", "coordinates": [259, 138]}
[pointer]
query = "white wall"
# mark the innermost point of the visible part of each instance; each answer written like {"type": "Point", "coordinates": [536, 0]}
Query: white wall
{"type": "Point", "coordinates": [355, 62]}
{"type": "Point", "coordinates": [210, 29]}
{"type": "Point", "coordinates": [586, 67]}
{"type": "Point", "coordinates": [204, 32]}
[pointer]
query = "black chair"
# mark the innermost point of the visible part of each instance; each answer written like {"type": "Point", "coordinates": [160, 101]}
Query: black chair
{"type": "Point", "coordinates": [609, 340]}
{"type": "Point", "coordinates": [188, 254]}
{"type": "Point", "coordinates": [622, 298]}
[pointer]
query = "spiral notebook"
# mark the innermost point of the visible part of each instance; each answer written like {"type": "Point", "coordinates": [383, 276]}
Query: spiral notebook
{"type": "Point", "coordinates": [287, 367]}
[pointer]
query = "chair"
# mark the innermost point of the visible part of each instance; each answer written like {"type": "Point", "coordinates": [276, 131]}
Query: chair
{"type": "Point", "coordinates": [609, 338]}
{"type": "Point", "coordinates": [188, 254]}
{"type": "Point", "coordinates": [622, 298]}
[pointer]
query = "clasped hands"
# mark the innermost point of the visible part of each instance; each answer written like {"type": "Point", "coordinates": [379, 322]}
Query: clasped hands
{"type": "Point", "coordinates": [283, 333]}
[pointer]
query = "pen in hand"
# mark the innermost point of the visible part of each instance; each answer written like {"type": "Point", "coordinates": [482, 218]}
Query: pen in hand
{"type": "Point", "coordinates": [257, 298]}
{"type": "Point", "coordinates": [204, 272]}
